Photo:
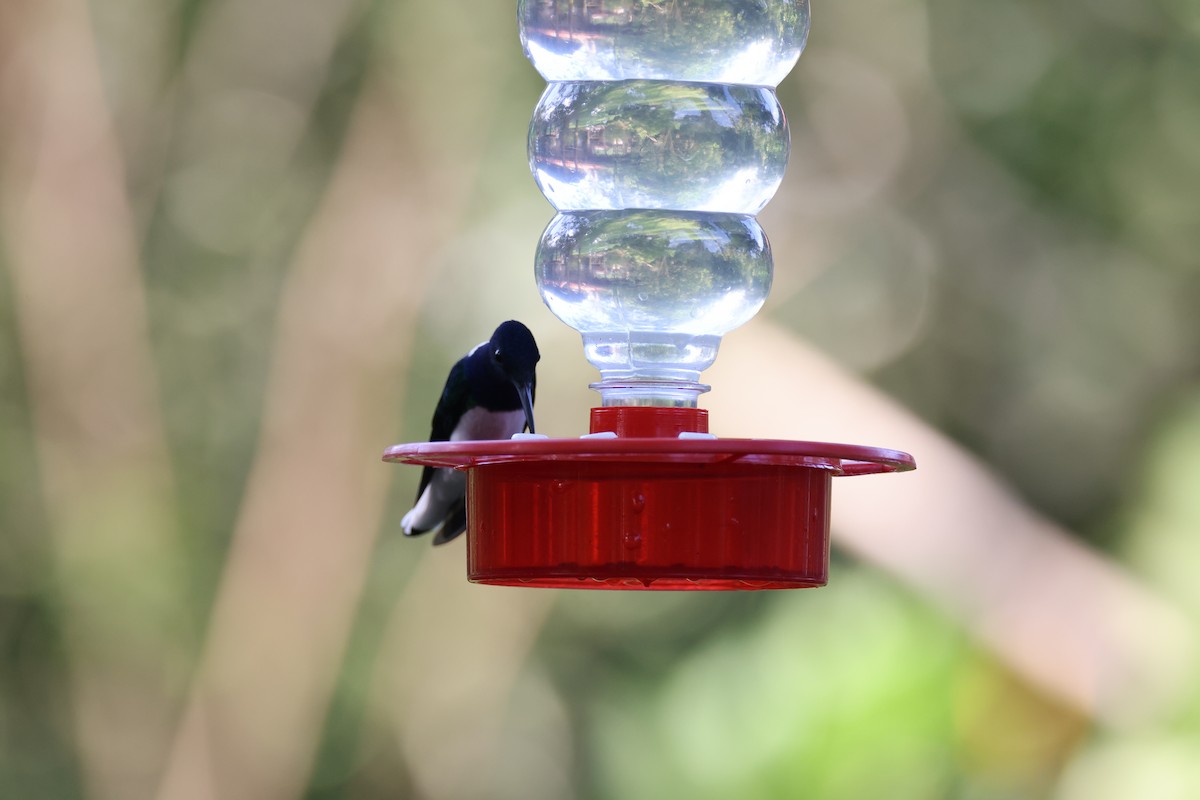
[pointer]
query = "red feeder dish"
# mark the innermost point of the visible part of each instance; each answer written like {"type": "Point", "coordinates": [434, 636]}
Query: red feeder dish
{"type": "Point", "coordinates": [649, 501]}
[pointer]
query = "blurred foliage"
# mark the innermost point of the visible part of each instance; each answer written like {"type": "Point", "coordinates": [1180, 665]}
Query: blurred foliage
{"type": "Point", "coordinates": [994, 212]}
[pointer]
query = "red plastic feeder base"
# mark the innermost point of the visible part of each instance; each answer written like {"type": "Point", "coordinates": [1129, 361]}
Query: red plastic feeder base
{"type": "Point", "coordinates": [649, 510]}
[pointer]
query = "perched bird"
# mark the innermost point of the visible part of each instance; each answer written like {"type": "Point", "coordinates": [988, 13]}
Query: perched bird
{"type": "Point", "coordinates": [488, 395]}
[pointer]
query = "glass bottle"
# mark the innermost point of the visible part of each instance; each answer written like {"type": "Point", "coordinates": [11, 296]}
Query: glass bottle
{"type": "Point", "coordinates": [658, 139]}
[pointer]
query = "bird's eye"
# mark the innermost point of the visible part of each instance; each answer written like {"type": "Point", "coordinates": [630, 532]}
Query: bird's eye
{"type": "Point", "coordinates": [498, 356]}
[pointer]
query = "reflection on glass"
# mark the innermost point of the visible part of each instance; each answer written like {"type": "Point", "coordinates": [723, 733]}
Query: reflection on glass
{"type": "Point", "coordinates": [652, 292]}
{"type": "Point", "coordinates": [750, 42]}
{"type": "Point", "coordinates": [658, 144]}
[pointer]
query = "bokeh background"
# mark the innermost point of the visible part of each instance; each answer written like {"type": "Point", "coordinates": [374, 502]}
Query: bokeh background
{"type": "Point", "coordinates": [242, 240]}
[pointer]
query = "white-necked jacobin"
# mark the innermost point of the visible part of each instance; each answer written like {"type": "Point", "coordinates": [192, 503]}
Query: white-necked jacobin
{"type": "Point", "coordinates": [488, 395]}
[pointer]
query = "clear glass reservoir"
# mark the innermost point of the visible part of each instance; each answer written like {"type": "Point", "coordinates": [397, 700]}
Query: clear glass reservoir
{"type": "Point", "coordinates": [658, 140]}
{"type": "Point", "coordinates": [748, 42]}
{"type": "Point", "coordinates": [658, 144]}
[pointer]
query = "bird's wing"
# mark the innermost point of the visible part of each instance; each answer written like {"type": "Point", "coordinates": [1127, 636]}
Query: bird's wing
{"type": "Point", "coordinates": [454, 402]}
{"type": "Point", "coordinates": [455, 524]}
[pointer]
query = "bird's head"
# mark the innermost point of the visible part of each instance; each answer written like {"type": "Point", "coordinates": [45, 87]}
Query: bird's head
{"type": "Point", "coordinates": [513, 351]}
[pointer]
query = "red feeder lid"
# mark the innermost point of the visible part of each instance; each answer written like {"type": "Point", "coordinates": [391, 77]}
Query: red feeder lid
{"type": "Point", "coordinates": [649, 500]}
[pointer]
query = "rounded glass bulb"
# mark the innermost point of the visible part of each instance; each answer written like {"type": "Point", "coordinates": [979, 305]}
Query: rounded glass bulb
{"type": "Point", "coordinates": [748, 42]}
{"type": "Point", "coordinates": [653, 292]}
{"type": "Point", "coordinates": [658, 144]}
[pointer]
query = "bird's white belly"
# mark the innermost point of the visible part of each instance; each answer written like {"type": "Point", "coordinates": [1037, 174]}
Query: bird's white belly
{"type": "Point", "coordinates": [479, 423]}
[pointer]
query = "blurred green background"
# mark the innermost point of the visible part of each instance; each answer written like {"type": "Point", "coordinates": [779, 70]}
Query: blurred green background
{"type": "Point", "coordinates": [242, 240]}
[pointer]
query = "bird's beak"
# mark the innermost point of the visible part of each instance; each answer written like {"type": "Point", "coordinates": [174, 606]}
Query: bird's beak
{"type": "Point", "coordinates": [525, 392]}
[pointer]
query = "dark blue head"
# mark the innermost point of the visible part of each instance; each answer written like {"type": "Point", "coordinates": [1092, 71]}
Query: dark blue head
{"type": "Point", "coordinates": [513, 351]}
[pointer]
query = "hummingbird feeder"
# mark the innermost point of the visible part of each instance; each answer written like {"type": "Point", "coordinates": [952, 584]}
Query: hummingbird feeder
{"type": "Point", "coordinates": [658, 140]}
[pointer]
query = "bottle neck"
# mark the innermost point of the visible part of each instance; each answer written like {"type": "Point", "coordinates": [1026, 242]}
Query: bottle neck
{"type": "Point", "coordinates": [660, 394]}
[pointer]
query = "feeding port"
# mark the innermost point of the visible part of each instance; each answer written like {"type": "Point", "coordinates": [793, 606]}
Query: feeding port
{"type": "Point", "coordinates": [658, 140]}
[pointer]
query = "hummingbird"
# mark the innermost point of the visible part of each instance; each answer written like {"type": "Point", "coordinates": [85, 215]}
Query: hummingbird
{"type": "Point", "coordinates": [488, 395]}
